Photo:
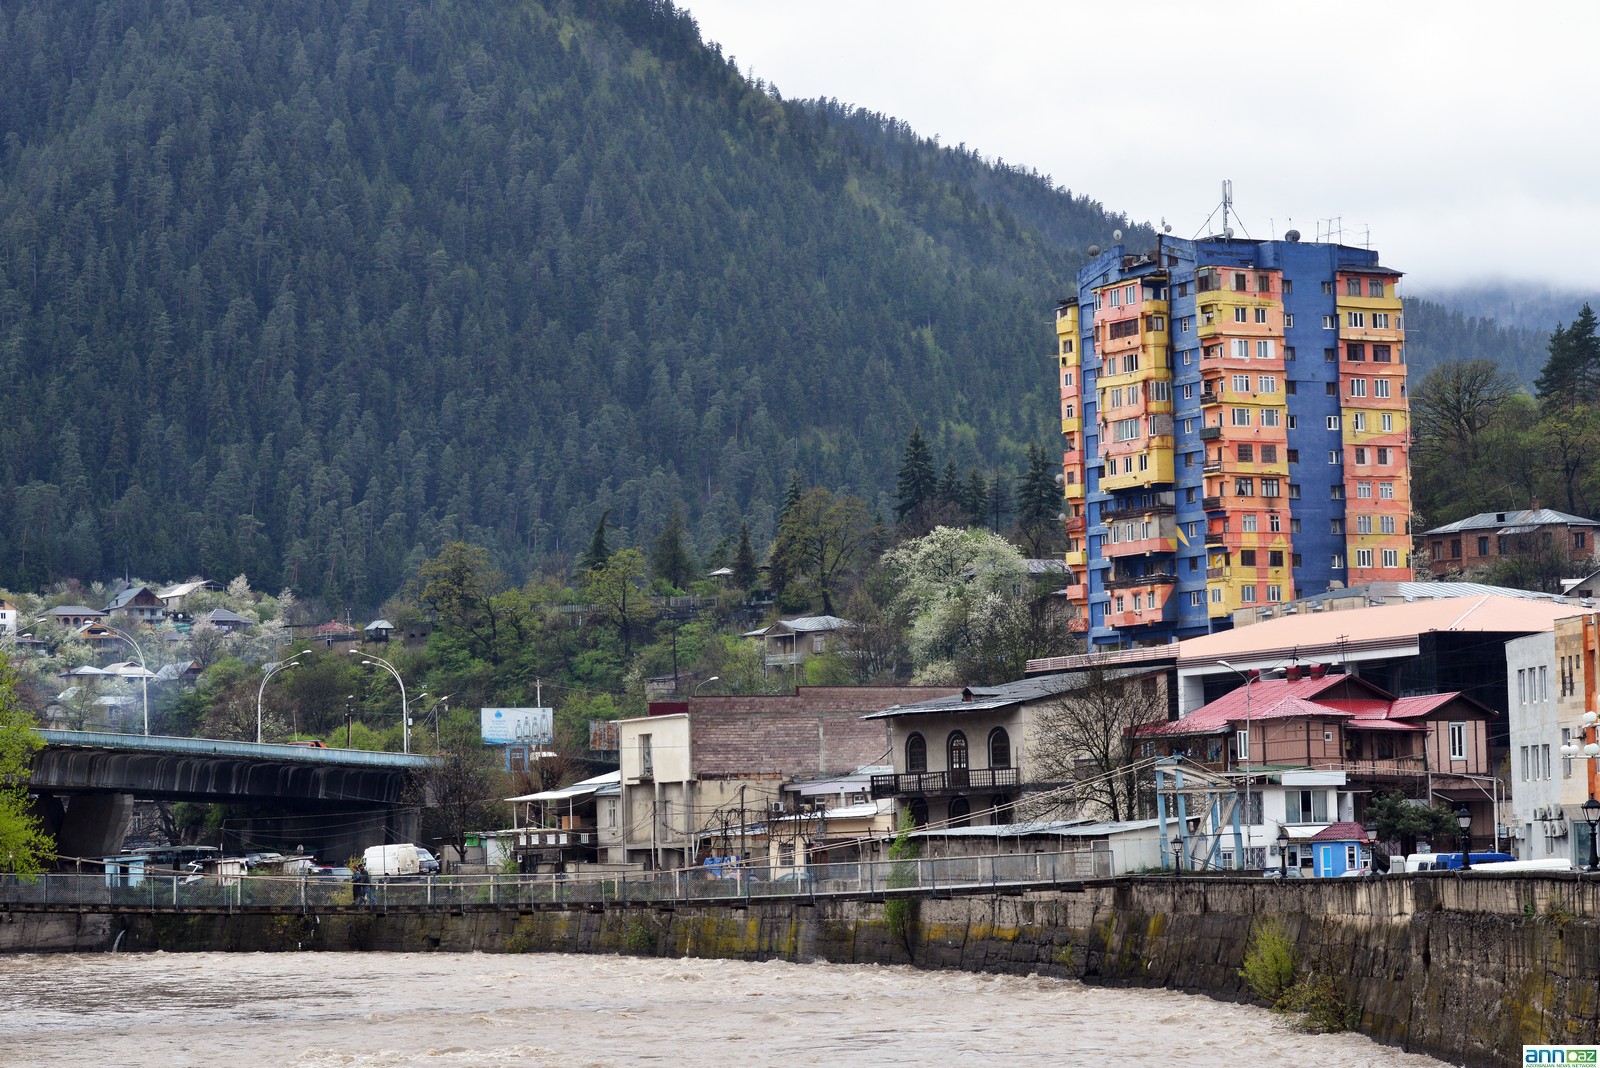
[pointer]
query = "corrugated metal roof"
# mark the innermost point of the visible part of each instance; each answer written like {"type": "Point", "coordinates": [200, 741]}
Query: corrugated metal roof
{"type": "Point", "coordinates": [574, 791]}
{"type": "Point", "coordinates": [1062, 828]}
{"type": "Point", "coordinates": [1521, 520]}
{"type": "Point", "coordinates": [987, 698]}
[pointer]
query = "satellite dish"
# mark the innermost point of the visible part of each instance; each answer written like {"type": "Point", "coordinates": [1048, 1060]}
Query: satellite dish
{"type": "Point", "coordinates": [1116, 235]}
{"type": "Point", "coordinates": [1166, 227]}
{"type": "Point", "coordinates": [1292, 235]}
{"type": "Point", "coordinates": [1094, 250]}
{"type": "Point", "coordinates": [1228, 232]}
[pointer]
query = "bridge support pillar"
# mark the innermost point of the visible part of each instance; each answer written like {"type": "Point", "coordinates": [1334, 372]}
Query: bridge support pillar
{"type": "Point", "coordinates": [90, 825]}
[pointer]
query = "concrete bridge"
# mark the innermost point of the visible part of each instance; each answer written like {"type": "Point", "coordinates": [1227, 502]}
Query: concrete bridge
{"type": "Point", "coordinates": [86, 783]}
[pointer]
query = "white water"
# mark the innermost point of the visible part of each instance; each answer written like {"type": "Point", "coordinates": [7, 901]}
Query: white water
{"type": "Point", "coordinates": [311, 1010]}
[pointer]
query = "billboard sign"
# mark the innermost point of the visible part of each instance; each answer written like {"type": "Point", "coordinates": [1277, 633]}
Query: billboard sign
{"type": "Point", "coordinates": [513, 726]}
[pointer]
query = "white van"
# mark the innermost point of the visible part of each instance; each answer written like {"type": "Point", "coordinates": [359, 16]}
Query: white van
{"type": "Point", "coordinates": [1417, 862]}
{"type": "Point", "coordinates": [1503, 867]}
{"type": "Point", "coordinates": [386, 861]}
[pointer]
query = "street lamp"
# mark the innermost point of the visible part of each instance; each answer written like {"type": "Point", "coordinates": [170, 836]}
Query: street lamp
{"type": "Point", "coordinates": [144, 673]}
{"type": "Point", "coordinates": [1464, 819]}
{"type": "Point", "coordinates": [1283, 852]}
{"type": "Point", "coordinates": [292, 662]}
{"type": "Point", "coordinates": [1248, 678]}
{"type": "Point", "coordinates": [405, 707]}
{"type": "Point", "coordinates": [1371, 828]}
{"type": "Point", "coordinates": [1591, 815]}
{"type": "Point", "coordinates": [707, 682]}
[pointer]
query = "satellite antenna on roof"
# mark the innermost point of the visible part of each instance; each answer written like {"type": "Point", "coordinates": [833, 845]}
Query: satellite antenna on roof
{"type": "Point", "coordinates": [1227, 209]}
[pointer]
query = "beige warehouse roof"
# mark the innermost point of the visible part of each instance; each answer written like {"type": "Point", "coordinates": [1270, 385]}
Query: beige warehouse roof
{"type": "Point", "coordinates": [1391, 623]}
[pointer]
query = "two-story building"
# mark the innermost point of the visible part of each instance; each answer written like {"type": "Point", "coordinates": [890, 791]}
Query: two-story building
{"type": "Point", "coordinates": [788, 643]}
{"type": "Point", "coordinates": [701, 778]}
{"type": "Point", "coordinates": [1304, 750]}
{"type": "Point", "coordinates": [137, 604]}
{"type": "Point", "coordinates": [1488, 537]}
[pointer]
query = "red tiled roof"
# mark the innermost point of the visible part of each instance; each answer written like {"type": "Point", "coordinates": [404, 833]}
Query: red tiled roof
{"type": "Point", "coordinates": [1219, 715]}
{"type": "Point", "coordinates": [1341, 832]}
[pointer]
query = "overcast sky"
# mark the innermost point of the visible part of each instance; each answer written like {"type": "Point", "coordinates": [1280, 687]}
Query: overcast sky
{"type": "Point", "coordinates": [1461, 135]}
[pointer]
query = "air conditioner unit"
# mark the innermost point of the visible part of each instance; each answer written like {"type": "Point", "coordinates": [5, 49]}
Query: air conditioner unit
{"type": "Point", "coordinates": [775, 809]}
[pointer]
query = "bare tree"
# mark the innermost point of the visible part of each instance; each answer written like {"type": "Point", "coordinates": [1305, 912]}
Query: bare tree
{"type": "Point", "coordinates": [464, 792]}
{"type": "Point", "coordinates": [1456, 402]}
{"type": "Point", "coordinates": [1082, 742]}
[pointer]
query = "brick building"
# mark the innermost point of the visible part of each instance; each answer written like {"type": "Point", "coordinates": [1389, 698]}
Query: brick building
{"type": "Point", "coordinates": [1482, 539]}
{"type": "Point", "coordinates": [718, 764]}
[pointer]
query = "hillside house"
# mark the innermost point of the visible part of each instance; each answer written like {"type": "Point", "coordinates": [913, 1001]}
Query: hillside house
{"type": "Point", "coordinates": [1490, 536]}
{"type": "Point", "coordinates": [137, 604]}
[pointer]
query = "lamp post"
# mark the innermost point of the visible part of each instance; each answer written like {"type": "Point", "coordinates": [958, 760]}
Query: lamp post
{"type": "Point", "coordinates": [1248, 678]}
{"type": "Point", "coordinates": [1371, 828]}
{"type": "Point", "coordinates": [707, 682]}
{"type": "Point", "coordinates": [1283, 852]}
{"type": "Point", "coordinates": [1464, 819]}
{"type": "Point", "coordinates": [144, 677]}
{"type": "Point", "coordinates": [405, 707]}
{"type": "Point", "coordinates": [292, 662]}
{"type": "Point", "coordinates": [1591, 816]}
{"type": "Point", "coordinates": [1587, 748]}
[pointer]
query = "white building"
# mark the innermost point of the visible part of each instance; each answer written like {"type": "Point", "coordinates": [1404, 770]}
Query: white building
{"type": "Point", "coordinates": [1541, 781]}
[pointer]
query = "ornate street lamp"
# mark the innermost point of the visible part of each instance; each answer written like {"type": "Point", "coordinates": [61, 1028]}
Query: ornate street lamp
{"type": "Point", "coordinates": [1464, 818]}
{"type": "Point", "coordinates": [1591, 815]}
{"type": "Point", "coordinates": [1283, 852]}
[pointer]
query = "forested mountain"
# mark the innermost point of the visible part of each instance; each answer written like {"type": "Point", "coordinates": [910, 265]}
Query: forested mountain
{"type": "Point", "coordinates": [304, 291]}
{"type": "Point", "coordinates": [1436, 334]}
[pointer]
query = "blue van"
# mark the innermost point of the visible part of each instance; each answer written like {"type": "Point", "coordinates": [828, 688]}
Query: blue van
{"type": "Point", "coordinates": [1452, 861]}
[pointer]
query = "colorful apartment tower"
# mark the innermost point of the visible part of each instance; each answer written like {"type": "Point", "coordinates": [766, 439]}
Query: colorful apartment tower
{"type": "Point", "coordinates": [1234, 430]}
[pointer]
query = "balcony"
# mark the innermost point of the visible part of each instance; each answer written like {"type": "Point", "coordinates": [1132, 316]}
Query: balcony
{"type": "Point", "coordinates": [926, 783]}
{"type": "Point", "coordinates": [1212, 504]}
{"type": "Point", "coordinates": [1210, 433]}
{"type": "Point", "coordinates": [1207, 397]}
{"type": "Point", "coordinates": [1134, 511]}
{"type": "Point", "coordinates": [1211, 467]}
{"type": "Point", "coordinates": [1141, 581]}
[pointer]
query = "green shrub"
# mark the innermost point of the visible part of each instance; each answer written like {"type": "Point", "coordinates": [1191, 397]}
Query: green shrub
{"type": "Point", "coordinates": [1269, 962]}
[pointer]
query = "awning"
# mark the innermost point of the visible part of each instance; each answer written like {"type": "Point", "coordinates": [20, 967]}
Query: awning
{"type": "Point", "coordinates": [575, 791]}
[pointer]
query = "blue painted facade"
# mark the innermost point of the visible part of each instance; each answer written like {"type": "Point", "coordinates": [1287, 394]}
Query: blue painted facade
{"type": "Point", "coordinates": [1300, 289]}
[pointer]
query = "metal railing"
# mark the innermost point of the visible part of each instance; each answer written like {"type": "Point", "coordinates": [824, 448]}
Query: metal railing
{"type": "Point", "coordinates": [178, 893]}
{"type": "Point", "coordinates": [938, 782]}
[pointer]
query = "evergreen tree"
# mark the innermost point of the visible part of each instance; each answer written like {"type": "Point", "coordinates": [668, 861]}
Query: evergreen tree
{"type": "Point", "coordinates": [975, 496]}
{"type": "Point", "coordinates": [1039, 502]}
{"type": "Point", "coordinates": [951, 491]}
{"type": "Point", "coordinates": [669, 559]}
{"type": "Point", "coordinates": [1572, 372]}
{"type": "Point", "coordinates": [791, 495]}
{"type": "Point", "coordinates": [745, 573]}
{"type": "Point", "coordinates": [916, 483]}
{"type": "Point", "coordinates": [997, 501]}
{"type": "Point", "coordinates": [598, 552]}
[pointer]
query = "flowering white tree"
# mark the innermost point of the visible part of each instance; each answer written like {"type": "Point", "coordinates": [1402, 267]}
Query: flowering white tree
{"type": "Point", "coordinates": [975, 615]}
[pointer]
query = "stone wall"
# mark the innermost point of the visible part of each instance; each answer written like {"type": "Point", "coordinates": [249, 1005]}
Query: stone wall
{"type": "Point", "coordinates": [1465, 969]}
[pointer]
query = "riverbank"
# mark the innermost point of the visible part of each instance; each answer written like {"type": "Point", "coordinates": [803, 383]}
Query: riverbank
{"type": "Point", "coordinates": [1466, 970]}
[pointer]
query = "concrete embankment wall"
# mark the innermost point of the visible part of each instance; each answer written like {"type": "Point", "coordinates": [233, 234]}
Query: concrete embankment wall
{"type": "Point", "coordinates": [1463, 969]}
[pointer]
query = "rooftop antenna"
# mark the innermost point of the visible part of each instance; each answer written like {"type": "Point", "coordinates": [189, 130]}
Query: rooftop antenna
{"type": "Point", "coordinates": [1227, 209]}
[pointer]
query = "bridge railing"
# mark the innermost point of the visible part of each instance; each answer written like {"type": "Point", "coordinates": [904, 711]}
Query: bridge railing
{"type": "Point", "coordinates": [179, 892]}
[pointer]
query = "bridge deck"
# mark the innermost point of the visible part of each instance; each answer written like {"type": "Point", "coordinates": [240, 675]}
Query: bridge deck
{"type": "Point", "coordinates": [270, 751]}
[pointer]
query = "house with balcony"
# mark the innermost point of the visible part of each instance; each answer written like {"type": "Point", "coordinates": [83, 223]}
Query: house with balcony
{"type": "Point", "coordinates": [569, 828]}
{"type": "Point", "coordinates": [1299, 750]}
{"type": "Point", "coordinates": [72, 616]}
{"type": "Point", "coordinates": [137, 604]}
{"type": "Point", "coordinates": [788, 642]}
{"type": "Point", "coordinates": [176, 599]}
{"type": "Point", "coordinates": [974, 758]}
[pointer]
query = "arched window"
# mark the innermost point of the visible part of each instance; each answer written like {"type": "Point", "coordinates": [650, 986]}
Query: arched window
{"type": "Point", "coordinates": [916, 754]}
{"type": "Point", "coordinates": [999, 748]}
{"type": "Point", "coordinates": [960, 812]}
{"type": "Point", "coordinates": [919, 811]}
{"type": "Point", "coordinates": [1003, 814]}
{"type": "Point", "coordinates": [956, 752]}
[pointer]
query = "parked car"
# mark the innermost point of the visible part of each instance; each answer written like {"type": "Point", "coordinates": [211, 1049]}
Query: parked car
{"type": "Point", "coordinates": [1279, 873]}
{"type": "Point", "coordinates": [427, 863]}
{"type": "Point", "coordinates": [794, 880]}
{"type": "Point", "coordinates": [327, 874]}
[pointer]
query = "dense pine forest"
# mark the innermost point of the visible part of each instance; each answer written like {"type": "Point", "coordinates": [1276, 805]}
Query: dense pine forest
{"type": "Point", "coordinates": [306, 291]}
